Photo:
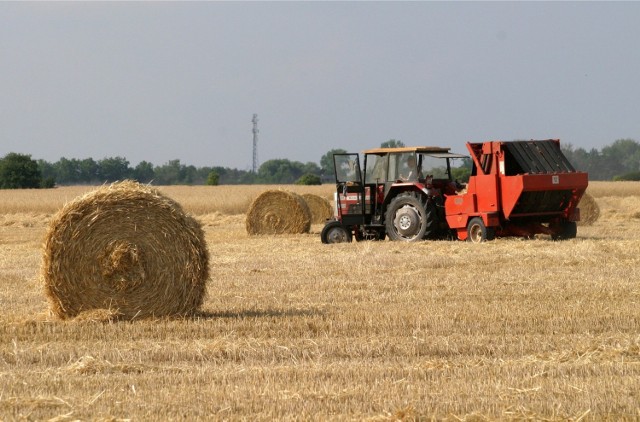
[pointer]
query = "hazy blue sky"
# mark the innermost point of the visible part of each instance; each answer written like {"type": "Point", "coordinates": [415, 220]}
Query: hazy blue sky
{"type": "Point", "coordinates": [162, 81]}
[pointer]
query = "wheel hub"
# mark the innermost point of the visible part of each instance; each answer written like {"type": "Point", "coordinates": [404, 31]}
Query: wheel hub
{"type": "Point", "coordinates": [475, 234]}
{"type": "Point", "coordinates": [337, 235]}
{"type": "Point", "coordinates": [407, 221]}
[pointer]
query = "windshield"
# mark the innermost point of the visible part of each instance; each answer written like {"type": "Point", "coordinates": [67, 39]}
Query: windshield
{"type": "Point", "coordinates": [436, 167]}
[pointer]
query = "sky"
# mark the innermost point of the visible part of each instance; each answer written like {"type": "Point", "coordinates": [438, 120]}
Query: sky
{"type": "Point", "coordinates": [159, 81]}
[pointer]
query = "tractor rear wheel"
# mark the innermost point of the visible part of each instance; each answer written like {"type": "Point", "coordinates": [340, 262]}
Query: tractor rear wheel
{"type": "Point", "coordinates": [407, 219]}
{"type": "Point", "coordinates": [433, 230]}
{"type": "Point", "coordinates": [477, 232]}
{"type": "Point", "coordinates": [335, 232]}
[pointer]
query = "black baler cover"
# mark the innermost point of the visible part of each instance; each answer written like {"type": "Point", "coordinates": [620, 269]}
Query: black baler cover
{"type": "Point", "coordinates": [536, 157]}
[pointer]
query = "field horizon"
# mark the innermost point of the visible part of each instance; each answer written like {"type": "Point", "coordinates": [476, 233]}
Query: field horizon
{"type": "Point", "coordinates": [292, 329]}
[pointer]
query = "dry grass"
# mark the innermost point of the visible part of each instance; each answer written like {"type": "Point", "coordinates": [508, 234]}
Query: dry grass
{"type": "Point", "coordinates": [296, 330]}
{"type": "Point", "coordinates": [615, 189]}
{"type": "Point", "coordinates": [198, 200]}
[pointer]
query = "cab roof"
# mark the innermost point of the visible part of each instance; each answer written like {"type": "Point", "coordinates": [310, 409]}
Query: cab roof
{"type": "Point", "coordinates": [406, 149]}
{"type": "Point", "coordinates": [440, 152]}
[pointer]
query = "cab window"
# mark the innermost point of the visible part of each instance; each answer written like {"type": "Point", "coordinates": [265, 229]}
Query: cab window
{"type": "Point", "coordinates": [376, 168]}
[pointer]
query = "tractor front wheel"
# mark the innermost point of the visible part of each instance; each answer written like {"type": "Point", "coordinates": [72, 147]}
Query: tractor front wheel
{"type": "Point", "coordinates": [335, 232]}
{"type": "Point", "coordinates": [406, 219]}
{"type": "Point", "coordinates": [477, 232]}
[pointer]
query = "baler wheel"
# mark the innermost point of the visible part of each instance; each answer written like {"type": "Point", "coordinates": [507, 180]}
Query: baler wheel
{"type": "Point", "coordinates": [477, 232]}
{"type": "Point", "coordinates": [335, 232]}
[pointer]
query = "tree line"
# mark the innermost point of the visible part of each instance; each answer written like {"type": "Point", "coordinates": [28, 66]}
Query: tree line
{"type": "Point", "coordinates": [21, 171]}
{"type": "Point", "coordinates": [618, 161]}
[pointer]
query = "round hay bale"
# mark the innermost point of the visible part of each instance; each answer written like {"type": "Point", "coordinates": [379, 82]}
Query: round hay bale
{"type": "Point", "coordinates": [589, 210]}
{"type": "Point", "coordinates": [319, 207]}
{"type": "Point", "coordinates": [126, 248]}
{"type": "Point", "coordinates": [278, 212]}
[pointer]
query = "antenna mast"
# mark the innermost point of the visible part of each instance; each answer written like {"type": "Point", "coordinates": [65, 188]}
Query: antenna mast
{"type": "Point", "coordinates": [255, 142]}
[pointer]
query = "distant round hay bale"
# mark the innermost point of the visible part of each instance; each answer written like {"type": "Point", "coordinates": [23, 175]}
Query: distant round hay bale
{"type": "Point", "coordinates": [589, 210]}
{"type": "Point", "coordinates": [319, 207]}
{"type": "Point", "coordinates": [278, 212]}
{"type": "Point", "coordinates": [127, 248]}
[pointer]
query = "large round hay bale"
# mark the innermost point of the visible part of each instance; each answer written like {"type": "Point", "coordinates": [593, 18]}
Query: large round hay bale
{"type": "Point", "coordinates": [127, 248]}
{"type": "Point", "coordinates": [589, 210]}
{"type": "Point", "coordinates": [319, 207]}
{"type": "Point", "coordinates": [278, 212]}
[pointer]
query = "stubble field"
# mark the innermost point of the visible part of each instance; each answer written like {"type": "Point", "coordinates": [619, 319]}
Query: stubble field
{"type": "Point", "coordinates": [292, 329]}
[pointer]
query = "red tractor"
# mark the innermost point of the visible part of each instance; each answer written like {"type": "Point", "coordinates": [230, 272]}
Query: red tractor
{"type": "Point", "coordinates": [399, 194]}
{"type": "Point", "coordinates": [518, 188]}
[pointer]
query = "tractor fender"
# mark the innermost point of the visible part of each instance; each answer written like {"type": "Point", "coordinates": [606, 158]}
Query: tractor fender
{"type": "Point", "coordinates": [408, 188]}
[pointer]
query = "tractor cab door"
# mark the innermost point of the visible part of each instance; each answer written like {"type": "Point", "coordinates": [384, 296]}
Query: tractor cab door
{"type": "Point", "coordinates": [347, 168]}
{"type": "Point", "coordinates": [349, 196]}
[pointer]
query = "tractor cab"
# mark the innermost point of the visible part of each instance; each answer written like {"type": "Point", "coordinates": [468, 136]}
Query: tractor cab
{"type": "Point", "coordinates": [365, 195]}
{"type": "Point", "coordinates": [426, 166]}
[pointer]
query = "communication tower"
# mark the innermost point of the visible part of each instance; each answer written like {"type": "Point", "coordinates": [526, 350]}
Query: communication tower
{"type": "Point", "coordinates": [255, 142]}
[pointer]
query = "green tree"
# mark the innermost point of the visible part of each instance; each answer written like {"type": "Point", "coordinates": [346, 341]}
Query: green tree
{"type": "Point", "coordinates": [48, 173]}
{"type": "Point", "coordinates": [583, 160]}
{"type": "Point", "coordinates": [619, 158]}
{"type": "Point", "coordinates": [309, 179]}
{"type": "Point", "coordinates": [311, 168]}
{"type": "Point", "coordinates": [622, 156]}
{"type": "Point", "coordinates": [113, 169]}
{"type": "Point", "coordinates": [281, 171]}
{"type": "Point", "coordinates": [223, 174]}
{"type": "Point", "coordinates": [392, 143]}
{"type": "Point", "coordinates": [462, 172]}
{"type": "Point", "coordinates": [143, 172]}
{"type": "Point", "coordinates": [202, 174]}
{"type": "Point", "coordinates": [67, 171]}
{"type": "Point", "coordinates": [188, 175]}
{"type": "Point", "coordinates": [47, 170]}
{"type": "Point", "coordinates": [48, 183]}
{"type": "Point", "coordinates": [88, 171]}
{"type": "Point", "coordinates": [169, 173]}
{"type": "Point", "coordinates": [245, 177]}
{"type": "Point", "coordinates": [19, 171]}
{"type": "Point", "coordinates": [213, 179]}
{"type": "Point", "coordinates": [631, 176]}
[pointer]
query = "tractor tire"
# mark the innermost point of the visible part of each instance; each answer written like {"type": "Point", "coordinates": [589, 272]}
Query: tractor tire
{"type": "Point", "coordinates": [335, 232]}
{"type": "Point", "coordinates": [477, 232]}
{"type": "Point", "coordinates": [433, 229]}
{"type": "Point", "coordinates": [407, 219]}
{"type": "Point", "coordinates": [568, 230]}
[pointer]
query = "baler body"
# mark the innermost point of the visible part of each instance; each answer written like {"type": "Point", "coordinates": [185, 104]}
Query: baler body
{"type": "Point", "coordinates": [518, 188]}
